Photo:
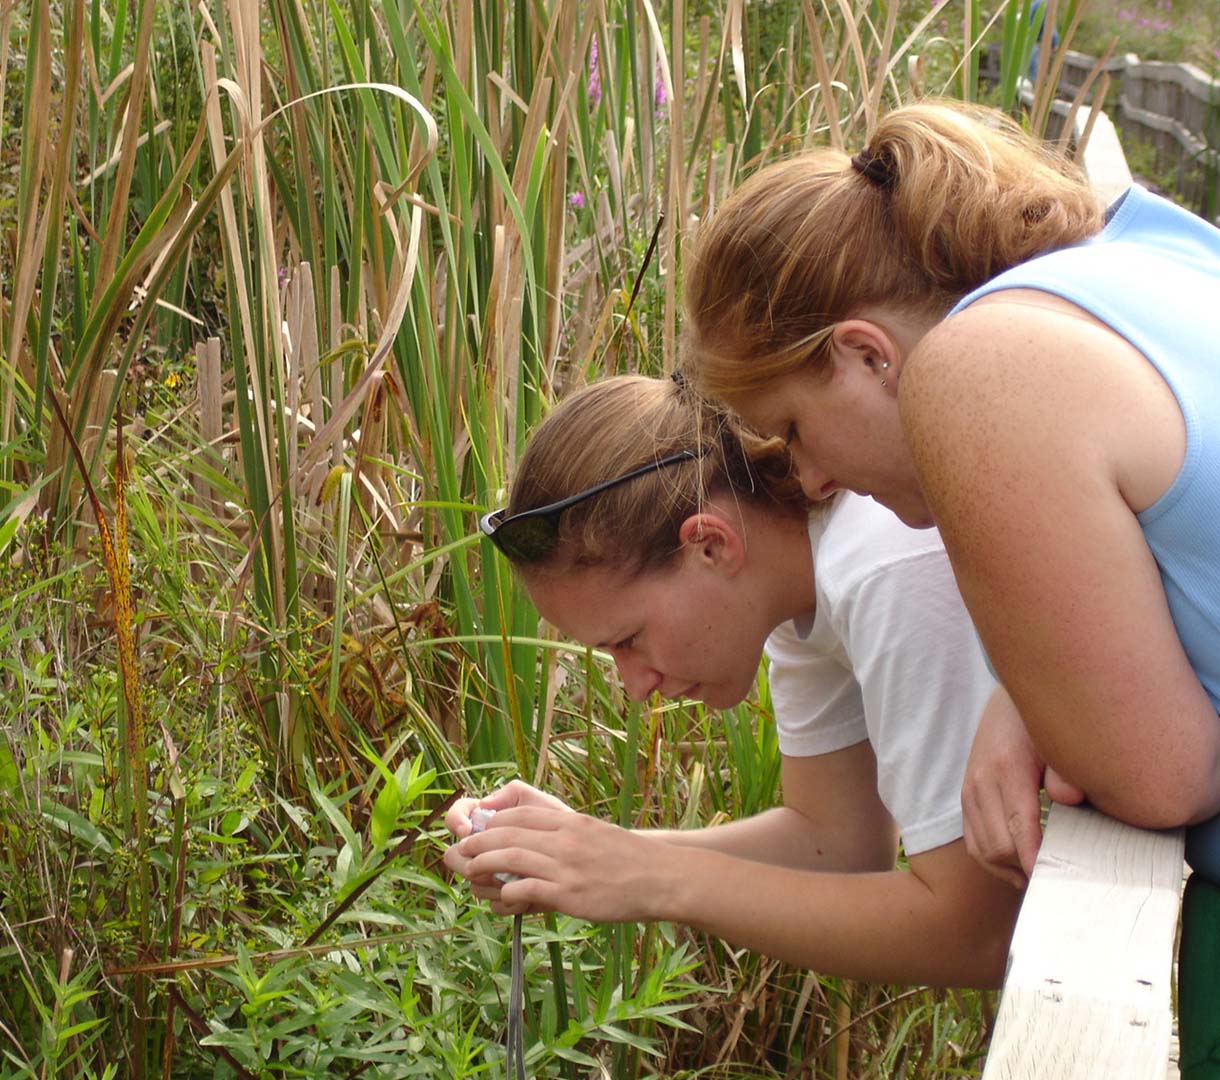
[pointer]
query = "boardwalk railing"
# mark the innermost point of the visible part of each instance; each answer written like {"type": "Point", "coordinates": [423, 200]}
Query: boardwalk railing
{"type": "Point", "coordinates": [1168, 112]}
{"type": "Point", "coordinates": [1087, 991]}
{"type": "Point", "coordinates": [1174, 109]}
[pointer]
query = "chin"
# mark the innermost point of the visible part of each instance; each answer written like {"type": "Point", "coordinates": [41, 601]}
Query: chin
{"type": "Point", "coordinates": [921, 520]}
{"type": "Point", "coordinates": [724, 697]}
{"type": "Point", "coordinates": [916, 516]}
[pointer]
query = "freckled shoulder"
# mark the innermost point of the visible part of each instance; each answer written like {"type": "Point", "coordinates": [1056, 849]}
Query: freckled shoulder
{"type": "Point", "coordinates": [1037, 434]}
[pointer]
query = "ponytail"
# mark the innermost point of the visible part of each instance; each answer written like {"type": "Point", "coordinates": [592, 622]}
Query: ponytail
{"type": "Point", "coordinates": [943, 198]}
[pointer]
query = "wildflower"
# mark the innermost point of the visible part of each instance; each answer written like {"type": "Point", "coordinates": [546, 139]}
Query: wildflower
{"type": "Point", "coordinates": [595, 78]}
{"type": "Point", "coordinates": [1124, 15]}
{"type": "Point", "coordinates": [576, 200]}
{"type": "Point", "coordinates": [658, 88]}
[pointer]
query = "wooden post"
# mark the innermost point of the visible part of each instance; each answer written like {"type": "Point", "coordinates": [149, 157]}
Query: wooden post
{"type": "Point", "coordinates": [1087, 993]}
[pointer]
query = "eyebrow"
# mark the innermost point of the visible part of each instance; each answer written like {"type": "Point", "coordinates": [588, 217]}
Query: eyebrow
{"type": "Point", "coordinates": [613, 638]}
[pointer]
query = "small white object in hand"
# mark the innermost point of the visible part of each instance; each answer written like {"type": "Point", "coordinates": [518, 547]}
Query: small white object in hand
{"type": "Point", "coordinates": [479, 817]}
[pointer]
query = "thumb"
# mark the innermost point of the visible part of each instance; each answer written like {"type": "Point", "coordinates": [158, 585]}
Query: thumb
{"type": "Point", "coordinates": [1060, 790]}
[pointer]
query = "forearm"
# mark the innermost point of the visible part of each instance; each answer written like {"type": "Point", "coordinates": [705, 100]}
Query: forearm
{"type": "Point", "coordinates": [881, 927]}
{"type": "Point", "coordinates": [783, 837]}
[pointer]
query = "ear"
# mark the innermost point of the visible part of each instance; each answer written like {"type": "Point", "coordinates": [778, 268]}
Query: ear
{"type": "Point", "coordinates": [712, 540]}
{"type": "Point", "coordinates": [860, 343]}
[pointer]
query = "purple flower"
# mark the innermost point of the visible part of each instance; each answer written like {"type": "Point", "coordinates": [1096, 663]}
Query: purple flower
{"type": "Point", "coordinates": [576, 200]}
{"type": "Point", "coordinates": [658, 88]}
{"type": "Point", "coordinates": [595, 78]}
{"type": "Point", "coordinates": [1124, 15]}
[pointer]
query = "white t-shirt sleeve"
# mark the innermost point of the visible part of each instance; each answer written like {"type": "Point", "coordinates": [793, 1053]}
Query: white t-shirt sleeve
{"type": "Point", "coordinates": [816, 699]}
{"type": "Point", "coordinates": [891, 656]}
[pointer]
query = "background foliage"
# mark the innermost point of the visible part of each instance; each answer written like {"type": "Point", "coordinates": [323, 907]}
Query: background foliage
{"type": "Point", "coordinates": [284, 287]}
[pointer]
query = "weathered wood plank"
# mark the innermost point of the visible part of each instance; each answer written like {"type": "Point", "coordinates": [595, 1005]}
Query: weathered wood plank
{"type": "Point", "coordinates": [1088, 987]}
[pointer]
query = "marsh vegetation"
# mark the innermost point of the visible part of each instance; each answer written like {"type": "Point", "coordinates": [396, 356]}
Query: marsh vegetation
{"type": "Point", "coordinates": [282, 288]}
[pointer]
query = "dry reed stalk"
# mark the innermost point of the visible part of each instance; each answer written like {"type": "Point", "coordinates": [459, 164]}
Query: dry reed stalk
{"type": "Point", "coordinates": [128, 133]}
{"type": "Point", "coordinates": [334, 370]}
{"type": "Point", "coordinates": [825, 79]}
{"type": "Point", "coordinates": [31, 228]}
{"type": "Point", "coordinates": [843, 1038]}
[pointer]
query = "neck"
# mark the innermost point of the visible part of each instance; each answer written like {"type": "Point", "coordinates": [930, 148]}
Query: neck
{"type": "Point", "coordinates": [781, 561]}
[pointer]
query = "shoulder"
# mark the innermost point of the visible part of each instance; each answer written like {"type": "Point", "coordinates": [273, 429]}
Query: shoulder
{"type": "Point", "coordinates": [861, 538]}
{"type": "Point", "coordinates": [1024, 384]}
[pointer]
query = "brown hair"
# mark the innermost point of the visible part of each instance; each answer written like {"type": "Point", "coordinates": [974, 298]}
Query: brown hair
{"type": "Point", "coordinates": [618, 424]}
{"type": "Point", "coordinates": [945, 197]}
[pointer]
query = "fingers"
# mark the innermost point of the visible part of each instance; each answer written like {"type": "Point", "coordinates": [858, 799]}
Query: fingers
{"type": "Point", "coordinates": [493, 857]}
{"type": "Point", "coordinates": [514, 793]}
{"type": "Point", "coordinates": [1025, 829]}
{"type": "Point", "coordinates": [457, 817]}
{"type": "Point", "coordinates": [1002, 828]}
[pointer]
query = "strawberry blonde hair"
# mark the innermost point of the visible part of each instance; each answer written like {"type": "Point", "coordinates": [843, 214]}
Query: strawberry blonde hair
{"type": "Point", "coordinates": [944, 198]}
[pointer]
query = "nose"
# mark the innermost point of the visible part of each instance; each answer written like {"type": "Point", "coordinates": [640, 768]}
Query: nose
{"type": "Point", "coordinates": [639, 680]}
{"type": "Point", "coordinates": [816, 483]}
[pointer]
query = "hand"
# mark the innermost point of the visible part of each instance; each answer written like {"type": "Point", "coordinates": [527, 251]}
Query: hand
{"type": "Point", "coordinates": [566, 862]}
{"type": "Point", "coordinates": [1001, 811]}
{"type": "Point", "coordinates": [457, 820]}
{"type": "Point", "coordinates": [514, 793]}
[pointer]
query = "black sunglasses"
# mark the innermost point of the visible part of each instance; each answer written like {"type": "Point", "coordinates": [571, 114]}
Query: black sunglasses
{"type": "Point", "coordinates": [533, 534]}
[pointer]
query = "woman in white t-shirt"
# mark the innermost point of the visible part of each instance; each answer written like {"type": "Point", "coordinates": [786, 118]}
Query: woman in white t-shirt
{"type": "Point", "coordinates": [649, 526]}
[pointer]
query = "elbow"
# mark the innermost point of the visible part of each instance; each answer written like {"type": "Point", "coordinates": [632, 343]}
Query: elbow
{"type": "Point", "coordinates": [989, 947]}
{"type": "Point", "coordinates": [977, 939]}
{"type": "Point", "coordinates": [993, 959]}
{"type": "Point", "coordinates": [1167, 801]}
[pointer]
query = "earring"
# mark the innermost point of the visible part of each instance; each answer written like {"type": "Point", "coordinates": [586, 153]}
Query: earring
{"type": "Point", "coordinates": [884, 367]}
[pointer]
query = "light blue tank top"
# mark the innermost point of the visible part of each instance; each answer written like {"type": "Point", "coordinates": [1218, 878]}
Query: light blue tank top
{"type": "Point", "coordinates": [1153, 275]}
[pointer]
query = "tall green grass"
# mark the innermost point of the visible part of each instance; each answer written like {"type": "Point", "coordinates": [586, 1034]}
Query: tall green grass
{"type": "Point", "coordinates": [329, 263]}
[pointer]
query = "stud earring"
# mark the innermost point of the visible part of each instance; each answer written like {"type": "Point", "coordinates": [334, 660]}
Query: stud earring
{"type": "Point", "coordinates": [884, 367]}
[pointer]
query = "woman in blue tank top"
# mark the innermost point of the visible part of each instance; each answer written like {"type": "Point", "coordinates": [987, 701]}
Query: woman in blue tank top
{"type": "Point", "coordinates": [951, 323]}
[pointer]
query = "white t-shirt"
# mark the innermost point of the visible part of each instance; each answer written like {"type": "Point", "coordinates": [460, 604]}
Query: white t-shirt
{"type": "Point", "coordinates": [891, 657]}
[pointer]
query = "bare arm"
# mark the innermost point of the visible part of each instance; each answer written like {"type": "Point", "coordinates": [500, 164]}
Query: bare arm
{"type": "Point", "coordinates": [832, 819]}
{"type": "Point", "coordinates": [944, 922]}
{"type": "Point", "coordinates": [753, 883]}
{"type": "Point", "coordinates": [1037, 435]}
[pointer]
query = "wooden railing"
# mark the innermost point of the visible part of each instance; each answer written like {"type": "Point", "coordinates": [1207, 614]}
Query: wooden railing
{"type": "Point", "coordinates": [1173, 109]}
{"type": "Point", "coordinates": [1087, 991]}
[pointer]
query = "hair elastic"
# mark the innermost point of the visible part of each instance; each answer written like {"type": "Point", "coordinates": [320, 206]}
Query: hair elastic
{"type": "Point", "coordinates": [878, 170]}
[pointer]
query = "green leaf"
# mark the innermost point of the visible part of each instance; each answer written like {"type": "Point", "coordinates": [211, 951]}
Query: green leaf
{"type": "Point", "coordinates": [77, 826]}
{"type": "Point", "coordinates": [385, 813]}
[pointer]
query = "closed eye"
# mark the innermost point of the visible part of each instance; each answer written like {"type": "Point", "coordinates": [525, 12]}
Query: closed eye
{"type": "Point", "coordinates": [625, 644]}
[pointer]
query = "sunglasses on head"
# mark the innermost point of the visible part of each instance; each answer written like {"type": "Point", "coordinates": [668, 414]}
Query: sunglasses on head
{"type": "Point", "coordinates": [533, 534]}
